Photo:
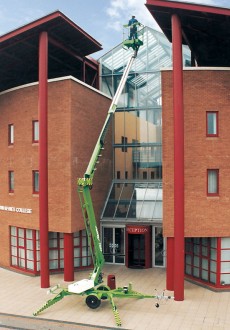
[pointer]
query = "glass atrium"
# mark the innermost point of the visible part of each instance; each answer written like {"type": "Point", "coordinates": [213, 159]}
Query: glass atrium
{"type": "Point", "coordinates": [131, 223]}
{"type": "Point", "coordinates": [136, 192]}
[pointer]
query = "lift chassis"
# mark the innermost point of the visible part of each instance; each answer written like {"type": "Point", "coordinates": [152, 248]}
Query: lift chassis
{"type": "Point", "coordinates": [94, 297]}
{"type": "Point", "coordinates": [92, 288]}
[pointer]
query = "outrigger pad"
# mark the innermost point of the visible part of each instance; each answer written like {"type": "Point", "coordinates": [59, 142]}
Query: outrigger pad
{"type": "Point", "coordinates": [133, 43]}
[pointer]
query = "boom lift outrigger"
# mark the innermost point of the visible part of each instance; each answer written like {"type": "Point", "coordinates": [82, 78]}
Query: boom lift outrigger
{"type": "Point", "coordinates": [92, 287]}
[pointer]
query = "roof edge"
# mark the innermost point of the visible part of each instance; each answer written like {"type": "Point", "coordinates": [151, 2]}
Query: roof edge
{"type": "Point", "coordinates": [188, 6]}
{"type": "Point", "coordinates": [200, 68]}
{"type": "Point", "coordinates": [43, 20]}
{"type": "Point", "coordinates": [36, 83]}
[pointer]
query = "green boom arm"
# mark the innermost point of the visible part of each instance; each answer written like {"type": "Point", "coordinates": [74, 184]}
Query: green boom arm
{"type": "Point", "coordinates": [85, 184]}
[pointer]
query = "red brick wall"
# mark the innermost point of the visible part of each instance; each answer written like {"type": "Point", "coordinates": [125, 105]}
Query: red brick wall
{"type": "Point", "coordinates": [18, 107]}
{"type": "Point", "coordinates": [59, 155]}
{"type": "Point", "coordinates": [75, 117]}
{"type": "Point", "coordinates": [89, 111]}
{"type": "Point", "coordinates": [204, 90]}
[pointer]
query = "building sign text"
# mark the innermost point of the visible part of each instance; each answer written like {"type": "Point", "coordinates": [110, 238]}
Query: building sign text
{"type": "Point", "coordinates": [15, 209]}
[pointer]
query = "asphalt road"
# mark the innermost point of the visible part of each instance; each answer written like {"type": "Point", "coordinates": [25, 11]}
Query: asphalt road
{"type": "Point", "coordinates": [10, 321]}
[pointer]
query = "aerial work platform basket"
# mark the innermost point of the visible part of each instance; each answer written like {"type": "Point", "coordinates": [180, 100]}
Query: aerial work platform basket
{"type": "Point", "coordinates": [133, 43]}
{"type": "Point", "coordinates": [133, 40]}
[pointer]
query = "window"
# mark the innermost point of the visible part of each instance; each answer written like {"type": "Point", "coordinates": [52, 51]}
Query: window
{"type": "Point", "coordinates": [35, 131]}
{"type": "Point", "coordinates": [10, 134]}
{"type": "Point", "coordinates": [212, 123]}
{"type": "Point", "coordinates": [225, 261]}
{"type": "Point", "coordinates": [126, 177]}
{"type": "Point", "coordinates": [208, 260]}
{"type": "Point", "coordinates": [35, 182]}
{"type": "Point", "coordinates": [201, 258]}
{"type": "Point", "coordinates": [118, 177]}
{"type": "Point", "coordinates": [82, 255]}
{"type": "Point", "coordinates": [213, 182]}
{"type": "Point", "coordinates": [124, 141]}
{"type": "Point", "coordinates": [56, 251]}
{"type": "Point", "coordinates": [11, 181]}
{"type": "Point", "coordinates": [24, 246]}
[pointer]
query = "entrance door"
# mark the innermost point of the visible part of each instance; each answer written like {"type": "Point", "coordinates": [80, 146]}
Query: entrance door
{"type": "Point", "coordinates": [136, 250]}
{"type": "Point", "coordinates": [138, 246]}
{"type": "Point", "coordinates": [158, 247]}
{"type": "Point", "coordinates": [113, 245]}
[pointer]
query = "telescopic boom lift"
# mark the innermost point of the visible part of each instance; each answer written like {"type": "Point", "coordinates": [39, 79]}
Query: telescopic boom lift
{"type": "Point", "coordinates": [92, 287]}
{"type": "Point", "coordinates": [85, 184]}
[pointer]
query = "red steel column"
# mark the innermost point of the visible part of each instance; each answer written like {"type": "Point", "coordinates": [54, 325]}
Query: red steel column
{"type": "Point", "coordinates": [170, 264]}
{"type": "Point", "coordinates": [43, 159]}
{"type": "Point", "coordinates": [68, 257]}
{"type": "Point", "coordinates": [178, 159]}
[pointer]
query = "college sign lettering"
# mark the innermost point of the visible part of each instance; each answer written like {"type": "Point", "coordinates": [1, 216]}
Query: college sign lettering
{"type": "Point", "coordinates": [137, 229]}
{"type": "Point", "coordinates": [15, 209]}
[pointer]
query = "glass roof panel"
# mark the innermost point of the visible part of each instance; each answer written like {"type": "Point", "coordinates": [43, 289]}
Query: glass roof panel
{"type": "Point", "coordinates": [155, 54]}
{"type": "Point", "coordinates": [156, 46]}
{"type": "Point", "coordinates": [124, 201]}
{"type": "Point", "coordinates": [140, 201]}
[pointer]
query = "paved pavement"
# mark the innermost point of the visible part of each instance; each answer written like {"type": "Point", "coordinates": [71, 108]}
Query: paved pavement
{"type": "Point", "coordinates": [21, 296]}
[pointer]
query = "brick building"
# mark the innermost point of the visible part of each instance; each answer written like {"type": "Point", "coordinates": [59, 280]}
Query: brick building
{"type": "Point", "coordinates": [41, 226]}
{"type": "Point", "coordinates": [51, 113]}
{"type": "Point", "coordinates": [206, 163]}
{"type": "Point", "coordinates": [195, 108]}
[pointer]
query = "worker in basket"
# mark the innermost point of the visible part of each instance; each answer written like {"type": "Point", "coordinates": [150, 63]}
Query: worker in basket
{"type": "Point", "coordinates": [133, 22]}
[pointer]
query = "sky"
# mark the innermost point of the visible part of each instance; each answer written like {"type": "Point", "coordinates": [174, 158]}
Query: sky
{"type": "Point", "coordinates": [102, 19]}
